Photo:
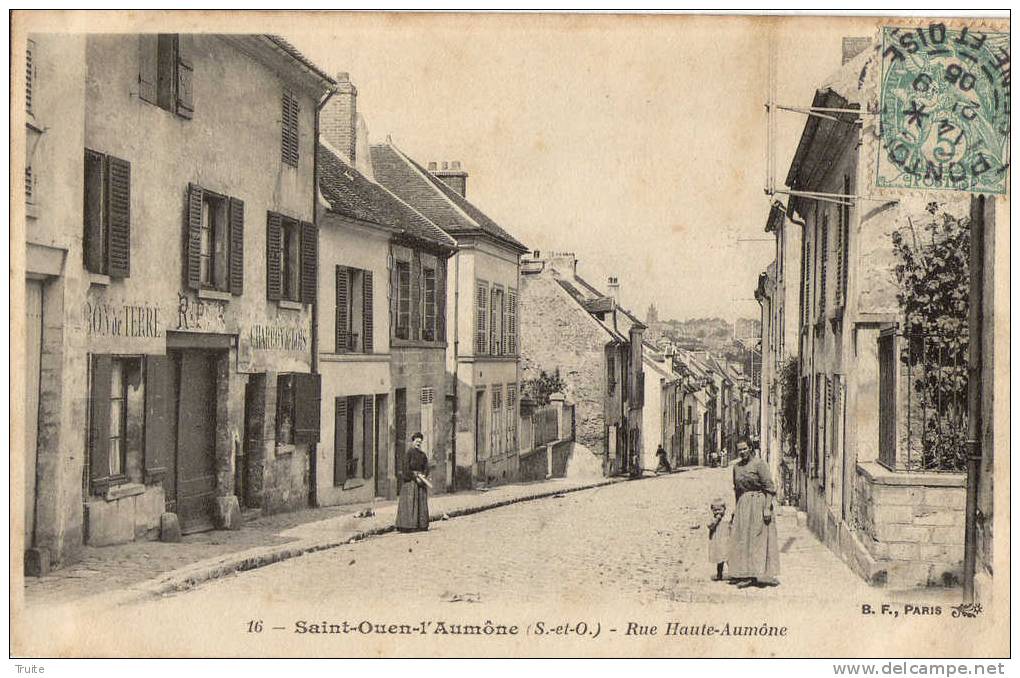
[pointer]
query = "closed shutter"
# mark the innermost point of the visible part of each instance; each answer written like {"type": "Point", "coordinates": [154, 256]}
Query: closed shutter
{"type": "Point", "coordinates": [342, 299]}
{"type": "Point", "coordinates": [118, 195]}
{"type": "Point", "coordinates": [185, 106]}
{"type": "Point", "coordinates": [441, 299]}
{"type": "Point", "coordinates": [274, 248]}
{"type": "Point", "coordinates": [289, 150]}
{"type": "Point", "coordinates": [307, 390]}
{"type": "Point", "coordinates": [236, 247]}
{"type": "Point", "coordinates": [493, 314]}
{"type": "Point", "coordinates": [99, 424]}
{"type": "Point", "coordinates": [416, 296]}
{"type": "Point", "coordinates": [193, 228]}
{"type": "Point", "coordinates": [844, 252]}
{"type": "Point", "coordinates": [368, 319]}
{"type": "Point", "coordinates": [148, 50]}
{"type": "Point", "coordinates": [369, 449]}
{"type": "Point", "coordinates": [481, 317]}
{"type": "Point", "coordinates": [511, 330]}
{"type": "Point", "coordinates": [309, 262]}
{"type": "Point", "coordinates": [160, 416]}
{"type": "Point", "coordinates": [95, 253]}
{"type": "Point", "coordinates": [340, 441]}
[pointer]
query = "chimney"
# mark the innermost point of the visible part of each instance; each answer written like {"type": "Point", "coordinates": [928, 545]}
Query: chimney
{"type": "Point", "coordinates": [614, 288]}
{"type": "Point", "coordinates": [565, 263]}
{"type": "Point", "coordinates": [451, 174]}
{"type": "Point", "coordinates": [854, 46]}
{"type": "Point", "coordinates": [338, 120]}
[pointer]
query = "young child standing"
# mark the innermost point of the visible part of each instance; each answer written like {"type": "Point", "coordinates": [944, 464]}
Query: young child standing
{"type": "Point", "coordinates": [718, 537]}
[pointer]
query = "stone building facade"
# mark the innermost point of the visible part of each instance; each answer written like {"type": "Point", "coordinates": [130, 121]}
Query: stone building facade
{"type": "Point", "coordinates": [187, 237]}
{"type": "Point", "coordinates": [481, 304]}
{"type": "Point", "coordinates": [570, 328]}
{"type": "Point", "coordinates": [892, 525]}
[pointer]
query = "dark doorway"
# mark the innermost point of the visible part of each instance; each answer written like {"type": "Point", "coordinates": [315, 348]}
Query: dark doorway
{"type": "Point", "coordinates": [479, 426]}
{"type": "Point", "coordinates": [196, 439]}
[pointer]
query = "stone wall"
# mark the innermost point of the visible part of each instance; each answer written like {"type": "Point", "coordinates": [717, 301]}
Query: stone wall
{"type": "Point", "coordinates": [907, 528]}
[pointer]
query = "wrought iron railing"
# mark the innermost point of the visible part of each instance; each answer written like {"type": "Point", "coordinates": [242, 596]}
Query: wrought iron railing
{"type": "Point", "coordinates": [922, 401]}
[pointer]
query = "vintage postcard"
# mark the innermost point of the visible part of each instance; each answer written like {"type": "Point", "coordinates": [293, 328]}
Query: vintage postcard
{"type": "Point", "coordinates": [354, 334]}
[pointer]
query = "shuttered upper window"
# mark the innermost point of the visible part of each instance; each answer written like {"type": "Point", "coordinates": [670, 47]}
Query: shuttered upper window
{"type": "Point", "coordinates": [290, 129]}
{"type": "Point", "coordinates": [107, 228]}
{"type": "Point", "coordinates": [354, 308]}
{"type": "Point", "coordinates": [29, 76]}
{"type": "Point", "coordinates": [214, 249]}
{"type": "Point", "coordinates": [481, 317]}
{"type": "Point", "coordinates": [511, 322]}
{"type": "Point", "coordinates": [165, 72]}
{"type": "Point", "coordinates": [428, 304]}
{"type": "Point", "coordinates": [823, 271]}
{"type": "Point", "coordinates": [292, 259]}
{"type": "Point", "coordinates": [403, 294]}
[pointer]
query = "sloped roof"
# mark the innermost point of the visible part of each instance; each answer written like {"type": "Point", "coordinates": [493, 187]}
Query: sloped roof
{"type": "Point", "coordinates": [351, 194]}
{"type": "Point", "coordinates": [296, 54]}
{"type": "Point", "coordinates": [594, 292]}
{"type": "Point", "coordinates": [580, 299]}
{"type": "Point", "coordinates": [429, 194]}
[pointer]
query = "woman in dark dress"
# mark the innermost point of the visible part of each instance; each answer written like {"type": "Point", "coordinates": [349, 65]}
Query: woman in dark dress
{"type": "Point", "coordinates": [663, 466]}
{"type": "Point", "coordinates": [754, 541]}
{"type": "Point", "coordinates": [413, 507]}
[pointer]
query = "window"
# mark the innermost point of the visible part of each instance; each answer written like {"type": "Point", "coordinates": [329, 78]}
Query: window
{"type": "Point", "coordinates": [292, 250]}
{"type": "Point", "coordinates": [497, 429]}
{"type": "Point", "coordinates": [165, 72]}
{"type": "Point", "coordinates": [843, 244]}
{"type": "Point", "coordinates": [289, 150]}
{"type": "Point", "coordinates": [403, 327]}
{"type": "Point", "coordinates": [511, 417]}
{"type": "Point", "coordinates": [428, 395]}
{"type": "Point", "coordinates": [496, 325]}
{"type": "Point", "coordinates": [428, 304]}
{"type": "Point", "coordinates": [611, 370]}
{"type": "Point", "coordinates": [481, 317]}
{"type": "Point", "coordinates": [29, 75]}
{"type": "Point", "coordinates": [297, 408]}
{"type": "Point", "coordinates": [29, 186]}
{"type": "Point", "coordinates": [511, 325]}
{"type": "Point", "coordinates": [116, 416]}
{"type": "Point", "coordinates": [107, 213]}
{"type": "Point", "coordinates": [214, 257]}
{"type": "Point", "coordinates": [823, 246]}
{"type": "Point", "coordinates": [354, 290]}
{"type": "Point", "coordinates": [354, 439]}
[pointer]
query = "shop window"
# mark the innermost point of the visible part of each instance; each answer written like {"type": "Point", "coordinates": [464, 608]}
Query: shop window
{"type": "Point", "coordinates": [116, 421]}
{"type": "Point", "coordinates": [107, 215]}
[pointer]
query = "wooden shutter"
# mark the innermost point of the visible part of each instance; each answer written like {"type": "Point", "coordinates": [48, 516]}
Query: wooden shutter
{"type": "Point", "coordinates": [185, 106]}
{"type": "Point", "coordinates": [95, 183]}
{"type": "Point", "coordinates": [511, 345]}
{"type": "Point", "coordinates": [309, 262]}
{"type": "Point", "coordinates": [99, 424]}
{"type": "Point", "coordinates": [289, 149]}
{"type": "Point", "coordinates": [481, 316]}
{"type": "Point", "coordinates": [342, 300]}
{"type": "Point", "coordinates": [148, 51]}
{"type": "Point", "coordinates": [441, 299]}
{"type": "Point", "coordinates": [307, 390]}
{"type": "Point", "coordinates": [160, 416]}
{"type": "Point", "coordinates": [844, 252]}
{"type": "Point", "coordinates": [340, 441]}
{"type": "Point", "coordinates": [368, 410]}
{"type": "Point", "coordinates": [493, 337]}
{"type": "Point", "coordinates": [274, 249]}
{"type": "Point", "coordinates": [193, 244]}
{"type": "Point", "coordinates": [236, 255]}
{"type": "Point", "coordinates": [118, 209]}
{"type": "Point", "coordinates": [417, 295]}
{"type": "Point", "coordinates": [368, 320]}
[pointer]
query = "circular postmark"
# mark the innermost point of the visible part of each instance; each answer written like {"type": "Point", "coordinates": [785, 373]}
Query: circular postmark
{"type": "Point", "coordinates": [944, 109]}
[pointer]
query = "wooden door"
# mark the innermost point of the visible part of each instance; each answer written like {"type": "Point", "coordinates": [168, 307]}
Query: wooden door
{"type": "Point", "coordinates": [400, 441]}
{"type": "Point", "coordinates": [196, 440]}
{"type": "Point", "coordinates": [479, 426]}
{"type": "Point", "coordinates": [33, 350]}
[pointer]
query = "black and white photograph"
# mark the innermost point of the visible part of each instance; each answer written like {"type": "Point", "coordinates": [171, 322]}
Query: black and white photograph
{"type": "Point", "coordinates": [344, 334]}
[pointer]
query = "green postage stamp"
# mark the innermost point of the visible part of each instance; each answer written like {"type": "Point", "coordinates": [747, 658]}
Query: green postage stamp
{"type": "Point", "coordinates": [944, 109]}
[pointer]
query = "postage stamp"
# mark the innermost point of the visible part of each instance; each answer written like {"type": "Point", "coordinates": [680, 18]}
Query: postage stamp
{"type": "Point", "coordinates": [944, 109]}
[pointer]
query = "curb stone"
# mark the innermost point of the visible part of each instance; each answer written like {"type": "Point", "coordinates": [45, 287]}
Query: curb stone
{"type": "Point", "coordinates": [190, 576]}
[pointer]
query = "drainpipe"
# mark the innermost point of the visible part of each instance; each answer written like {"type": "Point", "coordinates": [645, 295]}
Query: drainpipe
{"type": "Point", "coordinates": [456, 371]}
{"type": "Point", "coordinates": [974, 404]}
{"type": "Point", "coordinates": [313, 455]}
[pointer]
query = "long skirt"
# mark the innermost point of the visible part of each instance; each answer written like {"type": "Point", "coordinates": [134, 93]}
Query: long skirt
{"type": "Point", "coordinates": [754, 546]}
{"type": "Point", "coordinates": [413, 507]}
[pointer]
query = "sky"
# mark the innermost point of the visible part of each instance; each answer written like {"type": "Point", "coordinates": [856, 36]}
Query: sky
{"type": "Point", "coordinates": [637, 143]}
